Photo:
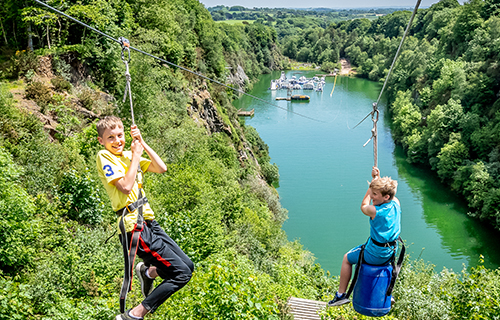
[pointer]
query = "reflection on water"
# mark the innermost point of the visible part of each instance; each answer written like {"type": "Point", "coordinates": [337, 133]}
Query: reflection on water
{"type": "Point", "coordinates": [446, 213]}
{"type": "Point", "coordinates": [324, 171]}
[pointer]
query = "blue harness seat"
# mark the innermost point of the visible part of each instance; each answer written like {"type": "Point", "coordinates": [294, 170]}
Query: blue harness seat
{"type": "Point", "coordinates": [370, 291]}
{"type": "Point", "coordinates": [372, 285]}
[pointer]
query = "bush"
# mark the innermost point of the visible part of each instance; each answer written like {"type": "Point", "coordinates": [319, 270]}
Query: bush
{"type": "Point", "coordinates": [60, 84]}
{"type": "Point", "coordinates": [88, 98]}
{"type": "Point", "coordinates": [270, 172]}
{"type": "Point", "coordinates": [23, 61]}
{"type": "Point", "coordinates": [39, 92]}
{"type": "Point", "coordinates": [80, 195]}
{"type": "Point", "coordinates": [16, 214]}
{"type": "Point", "coordinates": [14, 299]}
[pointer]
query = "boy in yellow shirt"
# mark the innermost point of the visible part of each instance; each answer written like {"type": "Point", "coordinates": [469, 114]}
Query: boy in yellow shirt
{"type": "Point", "coordinates": [160, 254]}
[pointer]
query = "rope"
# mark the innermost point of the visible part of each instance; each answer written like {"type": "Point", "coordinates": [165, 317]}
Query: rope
{"type": "Point", "coordinates": [172, 64]}
{"type": "Point", "coordinates": [375, 113]}
{"type": "Point", "coordinates": [334, 82]}
{"type": "Point", "coordinates": [399, 48]}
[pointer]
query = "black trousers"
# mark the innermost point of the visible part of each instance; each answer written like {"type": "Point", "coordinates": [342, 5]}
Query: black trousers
{"type": "Point", "coordinates": [157, 249]}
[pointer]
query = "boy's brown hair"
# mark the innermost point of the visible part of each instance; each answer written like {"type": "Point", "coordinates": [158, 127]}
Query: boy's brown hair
{"type": "Point", "coordinates": [386, 186]}
{"type": "Point", "coordinates": [109, 122]}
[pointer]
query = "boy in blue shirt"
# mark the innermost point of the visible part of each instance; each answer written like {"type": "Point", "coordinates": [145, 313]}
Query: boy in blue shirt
{"type": "Point", "coordinates": [385, 227]}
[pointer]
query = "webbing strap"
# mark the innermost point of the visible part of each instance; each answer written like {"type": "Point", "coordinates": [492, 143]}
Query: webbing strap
{"type": "Point", "coordinates": [129, 253]}
{"type": "Point", "coordinates": [356, 272]}
{"type": "Point", "coordinates": [396, 268]}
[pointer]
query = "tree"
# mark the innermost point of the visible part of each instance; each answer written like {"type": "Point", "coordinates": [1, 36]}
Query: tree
{"type": "Point", "coordinates": [442, 121]}
{"type": "Point", "coordinates": [451, 156]}
{"type": "Point", "coordinates": [304, 55]}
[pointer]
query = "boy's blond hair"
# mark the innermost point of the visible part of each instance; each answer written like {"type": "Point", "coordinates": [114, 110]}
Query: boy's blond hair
{"type": "Point", "coordinates": [109, 122]}
{"type": "Point", "coordinates": [386, 186]}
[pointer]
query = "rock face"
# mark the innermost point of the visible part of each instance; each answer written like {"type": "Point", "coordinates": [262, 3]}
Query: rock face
{"type": "Point", "coordinates": [204, 112]}
{"type": "Point", "coordinates": [238, 78]}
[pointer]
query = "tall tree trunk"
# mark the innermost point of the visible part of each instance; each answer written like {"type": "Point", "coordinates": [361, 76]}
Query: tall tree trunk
{"type": "Point", "coordinates": [14, 31]}
{"type": "Point", "coordinates": [3, 32]}
{"type": "Point", "coordinates": [48, 37]}
{"type": "Point", "coordinates": [30, 39]}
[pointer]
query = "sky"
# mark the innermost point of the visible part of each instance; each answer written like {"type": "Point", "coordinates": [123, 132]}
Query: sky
{"type": "Point", "coordinates": [336, 4]}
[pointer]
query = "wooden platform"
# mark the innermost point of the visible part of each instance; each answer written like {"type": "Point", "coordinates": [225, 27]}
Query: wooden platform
{"type": "Point", "coordinates": [303, 309]}
{"type": "Point", "coordinates": [246, 113]}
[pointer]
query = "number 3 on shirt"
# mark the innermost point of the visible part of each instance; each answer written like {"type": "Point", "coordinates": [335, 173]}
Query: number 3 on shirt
{"type": "Point", "coordinates": [108, 171]}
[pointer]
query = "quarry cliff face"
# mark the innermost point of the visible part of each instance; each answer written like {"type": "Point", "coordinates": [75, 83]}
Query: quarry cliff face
{"type": "Point", "coordinates": [204, 112]}
{"type": "Point", "coordinates": [238, 78]}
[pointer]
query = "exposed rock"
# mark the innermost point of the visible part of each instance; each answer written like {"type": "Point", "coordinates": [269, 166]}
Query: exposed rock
{"type": "Point", "coordinates": [45, 67]}
{"type": "Point", "coordinates": [204, 112]}
{"type": "Point", "coordinates": [238, 78]}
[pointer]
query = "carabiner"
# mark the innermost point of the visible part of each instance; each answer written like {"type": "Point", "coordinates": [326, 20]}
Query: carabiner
{"type": "Point", "coordinates": [125, 46]}
{"type": "Point", "coordinates": [375, 110]}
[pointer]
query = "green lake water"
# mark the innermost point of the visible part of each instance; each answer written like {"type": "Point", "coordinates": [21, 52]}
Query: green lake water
{"type": "Point", "coordinates": [324, 171]}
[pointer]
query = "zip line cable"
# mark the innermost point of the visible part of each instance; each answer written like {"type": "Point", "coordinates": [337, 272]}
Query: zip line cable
{"type": "Point", "coordinates": [395, 58]}
{"type": "Point", "coordinates": [375, 113]}
{"type": "Point", "coordinates": [170, 63]}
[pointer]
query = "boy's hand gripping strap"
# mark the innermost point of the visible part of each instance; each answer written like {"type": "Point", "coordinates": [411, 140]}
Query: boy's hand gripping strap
{"type": "Point", "coordinates": [129, 253]}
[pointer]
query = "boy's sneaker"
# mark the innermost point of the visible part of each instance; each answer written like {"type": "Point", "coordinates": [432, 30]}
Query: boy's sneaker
{"type": "Point", "coordinates": [339, 300]}
{"type": "Point", "coordinates": [146, 283]}
{"type": "Point", "coordinates": [126, 316]}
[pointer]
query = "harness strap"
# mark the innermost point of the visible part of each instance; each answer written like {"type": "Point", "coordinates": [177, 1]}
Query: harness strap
{"type": "Point", "coordinates": [133, 206]}
{"type": "Point", "coordinates": [396, 267]}
{"type": "Point", "coordinates": [386, 244]}
{"type": "Point", "coordinates": [356, 272]}
{"type": "Point", "coordinates": [129, 253]}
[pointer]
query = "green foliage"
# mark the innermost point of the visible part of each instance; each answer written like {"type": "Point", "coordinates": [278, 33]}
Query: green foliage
{"type": "Point", "coordinates": [14, 299]}
{"type": "Point", "coordinates": [478, 295]}
{"type": "Point", "coordinates": [60, 84]}
{"type": "Point", "coordinates": [88, 97]}
{"type": "Point", "coordinates": [211, 201]}
{"type": "Point", "coordinates": [22, 62]}
{"type": "Point", "coordinates": [39, 92]}
{"type": "Point", "coordinates": [16, 217]}
{"type": "Point", "coordinates": [80, 196]}
{"type": "Point", "coordinates": [225, 287]}
{"type": "Point", "coordinates": [451, 156]}
{"type": "Point", "coordinates": [422, 293]}
{"type": "Point", "coordinates": [270, 172]}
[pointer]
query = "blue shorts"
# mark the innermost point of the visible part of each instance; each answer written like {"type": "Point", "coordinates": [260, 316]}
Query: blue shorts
{"type": "Point", "coordinates": [353, 257]}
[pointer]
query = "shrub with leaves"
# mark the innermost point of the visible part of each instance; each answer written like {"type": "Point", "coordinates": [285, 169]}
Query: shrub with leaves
{"type": "Point", "coordinates": [23, 61]}
{"type": "Point", "coordinates": [39, 92]}
{"type": "Point", "coordinates": [88, 98]}
{"type": "Point", "coordinates": [60, 84]}
{"type": "Point", "coordinates": [16, 214]}
{"type": "Point", "coordinates": [80, 195]}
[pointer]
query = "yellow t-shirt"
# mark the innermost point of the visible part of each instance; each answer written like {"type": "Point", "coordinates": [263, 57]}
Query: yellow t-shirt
{"type": "Point", "coordinates": [111, 168]}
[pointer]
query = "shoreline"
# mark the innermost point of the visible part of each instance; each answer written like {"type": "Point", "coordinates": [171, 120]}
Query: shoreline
{"type": "Point", "coordinates": [346, 67]}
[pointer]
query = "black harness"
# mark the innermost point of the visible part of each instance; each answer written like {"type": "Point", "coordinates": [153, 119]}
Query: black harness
{"type": "Point", "coordinates": [396, 266]}
{"type": "Point", "coordinates": [129, 252]}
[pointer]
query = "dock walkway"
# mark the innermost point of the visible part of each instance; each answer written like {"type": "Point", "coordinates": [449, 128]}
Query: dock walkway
{"type": "Point", "coordinates": [246, 113]}
{"type": "Point", "coordinates": [304, 309]}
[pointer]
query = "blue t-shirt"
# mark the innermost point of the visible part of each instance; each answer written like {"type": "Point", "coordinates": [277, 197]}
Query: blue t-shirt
{"type": "Point", "coordinates": [385, 227]}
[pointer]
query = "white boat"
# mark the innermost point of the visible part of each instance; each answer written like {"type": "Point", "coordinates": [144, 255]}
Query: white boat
{"type": "Point", "coordinates": [274, 85]}
{"type": "Point", "coordinates": [308, 86]}
{"type": "Point", "coordinates": [297, 87]}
